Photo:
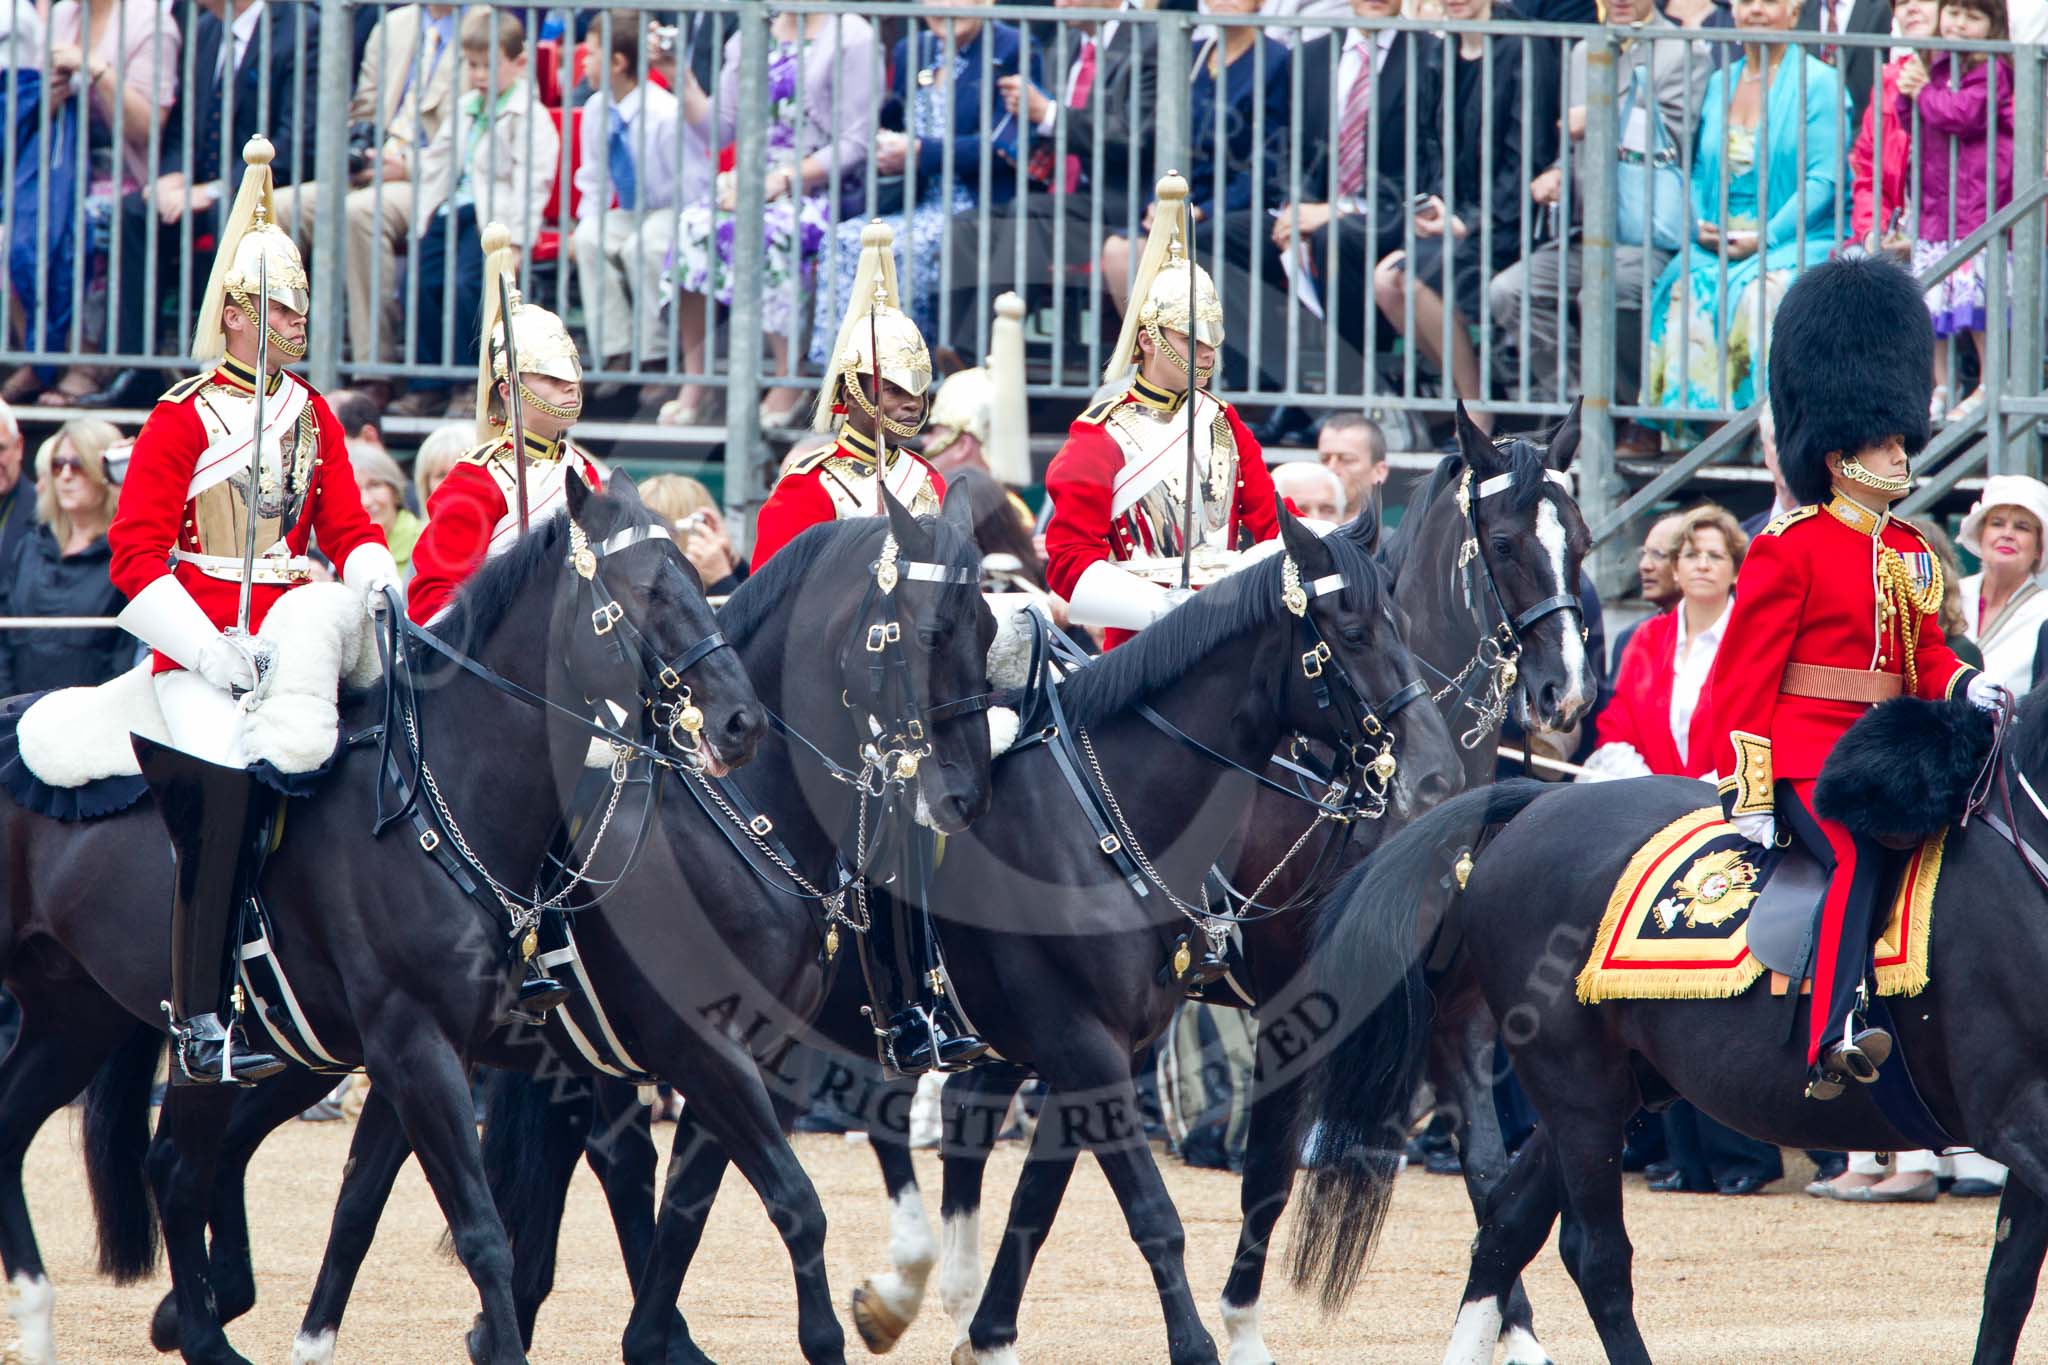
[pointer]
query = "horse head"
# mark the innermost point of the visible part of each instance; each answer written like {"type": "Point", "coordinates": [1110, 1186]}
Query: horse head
{"type": "Point", "coordinates": [1351, 679]}
{"type": "Point", "coordinates": [647, 636]}
{"type": "Point", "coordinates": [946, 630]}
{"type": "Point", "coordinates": [1531, 542]}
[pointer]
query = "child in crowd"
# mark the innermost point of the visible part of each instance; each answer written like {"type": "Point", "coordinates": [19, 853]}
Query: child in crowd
{"type": "Point", "coordinates": [1963, 104]}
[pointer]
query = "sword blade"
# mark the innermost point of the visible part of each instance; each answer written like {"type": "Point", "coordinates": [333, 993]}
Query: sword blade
{"type": "Point", "coordinates": [515, 407]}
{"type": "Point", "coordinates": [253, 509]}
{"type": "Point", "coordinates": [1187, 515]}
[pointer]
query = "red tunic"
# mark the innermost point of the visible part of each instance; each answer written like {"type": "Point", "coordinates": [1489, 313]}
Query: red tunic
{"type": "Point", "coordinates": [1809, 593]}
{"type": "Point", "coordinates": [157, 512]}
{"type": "Point", "coordinates": [1639, 713]}
{"type": "Point", "coordinates": [838, 482]}
{"type": "Point", "coordinates": [1080, 483]}
{"type": "Point", "coordinates": [473, 514]}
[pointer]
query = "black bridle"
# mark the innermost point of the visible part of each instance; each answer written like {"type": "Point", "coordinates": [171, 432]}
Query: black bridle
{"type": "Point", "coordinates": [1497, 657]}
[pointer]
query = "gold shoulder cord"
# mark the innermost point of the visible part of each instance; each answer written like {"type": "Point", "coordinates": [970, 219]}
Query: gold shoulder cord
{"type": "Point", "coordinates": [1907, 604]}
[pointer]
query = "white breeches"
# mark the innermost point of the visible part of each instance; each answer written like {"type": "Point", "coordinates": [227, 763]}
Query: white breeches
{"type": "Point", "coordinates": [203, 720]}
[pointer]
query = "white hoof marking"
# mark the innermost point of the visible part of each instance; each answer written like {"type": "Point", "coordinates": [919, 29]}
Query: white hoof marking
{"type": "Point", "coordinates": [1247, 1344]}
{"type": "Point", "coordinates": [1524, 1349]}
{"type": "Point", "coordinates": [960, 1272]}
{"type": "Point", "coordinates": [1476, 1333]}
{"type": "Point", "coordinates": [911, 1253]}
{"type": "Point", "coordinates": [314, 1350]}
{"type": "Point", "coordinates": [31, 1311]}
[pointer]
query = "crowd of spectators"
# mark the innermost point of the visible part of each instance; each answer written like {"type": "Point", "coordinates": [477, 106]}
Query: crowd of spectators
{"type": "Point", "coordinates": [1405, 208]}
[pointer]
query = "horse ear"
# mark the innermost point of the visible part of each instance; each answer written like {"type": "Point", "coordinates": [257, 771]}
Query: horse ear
{"type": "Point", "coordinates": [1563, 446]}
{"type": "Point", "coordinates": [957, 510]}
{"type": "Point", "coordinates": [904, 525]}
{"type": "Point", "coordinates": [1301, 542]}
{"type": "Point", "coordinates": [579, 496]}
{"type": "Point", "coordinates": [1363, 530]}
{"type": "Point", "coordinates": [621, 489]}
{"type": "Point", "coordinates": [1477, 447]}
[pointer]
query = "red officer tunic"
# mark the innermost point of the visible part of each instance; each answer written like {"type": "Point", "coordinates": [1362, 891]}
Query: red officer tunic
{"type": "Point", "coordinates": [1837, 588]}
{"type": "Point", "coordinates": [1123, 450]}
{"type": "Point", "coordinates": [183, 506]}
{"type": "Point", "coordinates": [839, 481]}
{"type": "Point", "coordinates": [474, 513]}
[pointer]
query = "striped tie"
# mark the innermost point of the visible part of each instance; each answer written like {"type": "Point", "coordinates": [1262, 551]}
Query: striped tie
{"type": "Point", "coordinates": [1351, 131]}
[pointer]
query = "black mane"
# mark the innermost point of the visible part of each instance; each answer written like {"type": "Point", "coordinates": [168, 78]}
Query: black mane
{"type": "Point", "coordinates": [1524, 459]}
{"type": "Point", "coordinates": [858, 539]}
{"type": "Point", "coordinates": [2030, 734]}
{"type": "Point", "coordinates": [480, 604]}
{"type": "Point", "coordinates": [1166, 651]}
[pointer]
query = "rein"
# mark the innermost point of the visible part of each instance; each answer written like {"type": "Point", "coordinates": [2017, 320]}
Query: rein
{"type": "Point", "coordinates": [891, 752]}
{"type": "Point", "coordinates": [1996, 778]}
{"type": "Point", "coordinates": [436, 830]}
{"type": "Point", "coordinates": [1496, 659]}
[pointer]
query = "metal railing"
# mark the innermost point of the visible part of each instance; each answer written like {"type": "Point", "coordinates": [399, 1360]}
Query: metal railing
{"type": "Point", "coordinates": [895, 109]}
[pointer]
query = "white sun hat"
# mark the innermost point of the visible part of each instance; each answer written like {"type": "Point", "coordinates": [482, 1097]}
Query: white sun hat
{"type": "Point", "coordinates": [2007, 490]}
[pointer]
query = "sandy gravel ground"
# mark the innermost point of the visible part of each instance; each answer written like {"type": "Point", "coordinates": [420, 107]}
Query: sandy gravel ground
{"type": "Point", "coordinates": [1717, 1280]}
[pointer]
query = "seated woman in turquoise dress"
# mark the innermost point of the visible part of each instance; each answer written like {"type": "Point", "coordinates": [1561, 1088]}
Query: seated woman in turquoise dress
{"type": "Point", "coordinates": [1712, 308]}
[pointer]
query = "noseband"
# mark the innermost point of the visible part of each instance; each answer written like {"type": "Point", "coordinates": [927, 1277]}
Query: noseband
{"type": "Point", "coordinates": [1498, 657]}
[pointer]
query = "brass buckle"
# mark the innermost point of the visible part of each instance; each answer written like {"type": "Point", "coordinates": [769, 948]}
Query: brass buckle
{"type": "Point", "coordinates": [605, 617]}
{"type": "Point", "coordinates": [761, 825]}
{"type": "Point", "coordinates": [1312, 661]}
{"type": "Point", "coordinates": [1111, 844]}
{"type": "Point", "coordinates": [881, 635]}
{"type": "Point", "coordinates": [1373, 726]}
{"type": "Point", "coordinates": [670, 679]}
{"type": "Point", "coordinates": [429, 841]}
{"type": "Point", "coordinates": [915, 729]}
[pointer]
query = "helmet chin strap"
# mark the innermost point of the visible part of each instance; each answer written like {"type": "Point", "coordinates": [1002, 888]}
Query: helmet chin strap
{"type": "Point", "coordinates": [271, 336]}
{"type": "Point", "coordinates": [1172, 353]}
{"type": "Point", "coordinates": [1853, 470]}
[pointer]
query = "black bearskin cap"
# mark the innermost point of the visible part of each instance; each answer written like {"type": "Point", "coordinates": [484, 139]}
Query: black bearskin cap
{"type": "Point", "coordinates": [1851, 363]}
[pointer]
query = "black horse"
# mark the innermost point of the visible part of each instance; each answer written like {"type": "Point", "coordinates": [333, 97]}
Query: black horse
{"type": "Point", "coordinates": [1527, 920]}
{"type": "Point", "coordinates": [1467, 614]}
{"type": "Point", "coordinates": [704, 955]}
{"type": "Point", "coordinates": [393, 966]}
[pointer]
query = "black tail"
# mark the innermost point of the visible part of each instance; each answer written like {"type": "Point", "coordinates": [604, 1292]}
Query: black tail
{"type": "Point", "coordinates": [533, 1127]}
{"type": "Point", "coordinates": [1368, 958]}
{"type": "Point", "coordinates": [116, 1139]}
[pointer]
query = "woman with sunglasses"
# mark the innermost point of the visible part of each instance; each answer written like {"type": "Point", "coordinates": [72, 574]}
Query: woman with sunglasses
{"type": "Point", "coordinates": [60, 569]}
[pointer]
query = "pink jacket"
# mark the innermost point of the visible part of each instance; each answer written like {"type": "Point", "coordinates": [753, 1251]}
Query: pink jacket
{"type": "Point", "coordinates": [1876, 197]}
{"type": "Point", "coordinates": [1953, 128]}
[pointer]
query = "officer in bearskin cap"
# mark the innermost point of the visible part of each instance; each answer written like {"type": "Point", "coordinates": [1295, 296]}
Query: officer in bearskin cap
{"type": "Point", "coordinates": [1837, 609]}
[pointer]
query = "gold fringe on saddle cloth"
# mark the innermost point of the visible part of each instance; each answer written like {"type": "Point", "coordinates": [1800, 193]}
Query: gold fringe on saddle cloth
{"type": "Point", "coordinates": [1677, 923]}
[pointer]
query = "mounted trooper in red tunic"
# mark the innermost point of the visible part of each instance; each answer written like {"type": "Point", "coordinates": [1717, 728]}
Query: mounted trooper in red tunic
{"type": "Point", "coordinates": [225, 489]}
{"type": "Point", "coordinates": [1118, 486]}
{"type": "Point", "coordinates": [876, 398]}
{"type": "Point", "coordinates": [474, 514]}
{"type": "Point", "coordinates": [1837, 608]}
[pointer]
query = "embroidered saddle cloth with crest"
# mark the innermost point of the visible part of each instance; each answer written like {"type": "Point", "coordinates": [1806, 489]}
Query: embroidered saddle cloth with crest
{"type": "Point", "coordinates": [1700, 913]}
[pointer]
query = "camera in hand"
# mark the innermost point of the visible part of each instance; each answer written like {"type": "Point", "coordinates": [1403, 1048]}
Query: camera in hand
{"type": "Point", "coordinates": [362, 147]}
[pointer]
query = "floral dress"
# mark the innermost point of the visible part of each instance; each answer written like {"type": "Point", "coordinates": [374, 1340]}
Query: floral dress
{"type": "Point", "coordinates": [920, 233]}
{"type": "Point", "coordinates": [795, 227]}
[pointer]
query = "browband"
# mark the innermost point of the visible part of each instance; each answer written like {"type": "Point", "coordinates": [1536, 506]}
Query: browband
{"type": "Point", "coordinates": [633, 535]}
{"type": "Point", "coordinates": [1501, 483]}
{"type": "Point", "coordinates": [1328, 583]}
{"type": "Point", "coordinates": [925, 572]}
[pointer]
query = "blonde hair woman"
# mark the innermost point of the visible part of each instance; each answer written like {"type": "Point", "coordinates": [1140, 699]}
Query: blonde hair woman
{"type": "Point", "coordinates": [688, 507]}
{"type": "Point", "coordinates": [61, 569]}
{"type": "Point", "coordinates": [438, 454]}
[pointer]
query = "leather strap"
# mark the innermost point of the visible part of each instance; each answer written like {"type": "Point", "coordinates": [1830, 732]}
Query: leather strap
{"type": "Point", "coordinates": [1823, 683]}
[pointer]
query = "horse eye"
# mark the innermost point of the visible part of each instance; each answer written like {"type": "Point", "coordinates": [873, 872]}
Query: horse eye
{"type": "Point", "coordinates": [1503, 546]}
{"type": "Point", "coordinates": [931, 637]}
{"type": "Point", "coordinates": [1354, 635]}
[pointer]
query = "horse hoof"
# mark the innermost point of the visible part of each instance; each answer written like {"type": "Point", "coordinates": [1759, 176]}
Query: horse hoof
{"type": "Point", "coordinates": [473, 1340]}
{"type": "Point", "coordinates": [163, 1325]}
{"type": "Point", "coordinates": [965, 1354]}
{"type": "Point", "coordinates": [878, 1324]}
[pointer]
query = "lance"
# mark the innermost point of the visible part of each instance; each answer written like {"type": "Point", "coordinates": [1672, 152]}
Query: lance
{"type": "Point", "coordinates": [515, 406]}
{"type": "Point", "coordinates": [1187, 513]}
{"type": "Point", "coordinates": [254, 506]}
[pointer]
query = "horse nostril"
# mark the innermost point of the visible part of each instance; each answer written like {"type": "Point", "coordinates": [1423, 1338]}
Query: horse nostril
{"type": "Point", "coordinates": [1547, 699]}
{"type": "Point", "coordinates": [1435, 790]}
{"type": "Point", "coordinates": [740, 722]}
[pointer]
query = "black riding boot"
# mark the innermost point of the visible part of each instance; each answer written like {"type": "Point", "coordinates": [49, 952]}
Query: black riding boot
{"type": "Point", "coordinates": [927, 1033]}
{"type": "Point", "coordinates": [220, 822]}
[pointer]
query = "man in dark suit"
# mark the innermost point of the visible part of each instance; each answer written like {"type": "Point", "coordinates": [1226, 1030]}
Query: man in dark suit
{"type": "Point", "coordinates": [1104, 82]}
{"type": "Point", "coordinates": [271, 51]}
{"type": "Point", "coordinates": [1359, 171]}
{"type": "Point", "coordinates": [1858, 65]}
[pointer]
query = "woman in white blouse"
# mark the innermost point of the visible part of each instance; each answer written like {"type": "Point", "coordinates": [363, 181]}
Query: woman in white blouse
{"type": "Point", "coordinates": [2003, 606]}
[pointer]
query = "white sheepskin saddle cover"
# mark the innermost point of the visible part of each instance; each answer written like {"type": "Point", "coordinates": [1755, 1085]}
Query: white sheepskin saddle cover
{"type": "Point", "coordinates": [324, 638]}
